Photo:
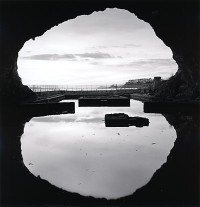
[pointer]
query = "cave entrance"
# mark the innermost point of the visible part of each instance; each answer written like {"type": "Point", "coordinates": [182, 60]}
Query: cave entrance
{"type": "Point", "coordinates": [105, 48]}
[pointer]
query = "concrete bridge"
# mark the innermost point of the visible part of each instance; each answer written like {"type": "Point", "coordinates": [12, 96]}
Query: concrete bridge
{"type": "Point", "coordinates": [54, 93]}
{"type": "Point", "coordinates": [78, 88]}
{"type": "Point", "coordinates": [100, 92]}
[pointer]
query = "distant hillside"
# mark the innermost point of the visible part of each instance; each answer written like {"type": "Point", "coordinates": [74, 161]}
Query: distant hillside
{"type": "Point", "coordinates": [138, 83]}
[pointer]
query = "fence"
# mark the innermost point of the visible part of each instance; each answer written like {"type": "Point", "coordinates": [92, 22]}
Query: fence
{"type": "Point", "coordinates": [57, 88]}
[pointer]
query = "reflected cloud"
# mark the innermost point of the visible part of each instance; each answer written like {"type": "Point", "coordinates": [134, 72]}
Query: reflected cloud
{"type": "Point", "coordinates": [49, 119]}
{"type": "Point", "coordinates": [57, 119]}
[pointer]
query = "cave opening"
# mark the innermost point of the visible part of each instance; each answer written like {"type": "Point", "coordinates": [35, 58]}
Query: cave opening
{"type": "Point", "coordinates": [176, 23]}
{"type": "Point", "coordinates": [104, 48]}
{"type": "Point", "coordinates": [178, 31]}
{"type": "Point", "coordinates": [99, 49]}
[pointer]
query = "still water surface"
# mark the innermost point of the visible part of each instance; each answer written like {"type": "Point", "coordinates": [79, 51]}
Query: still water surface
{"type": "Point", "coordinates": [79, 154]}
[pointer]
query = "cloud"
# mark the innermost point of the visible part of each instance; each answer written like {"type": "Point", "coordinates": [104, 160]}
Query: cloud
{"type": "Point", "coordinates": [95, 55]}
{"type": "Point", "coordinates": [111, 20]}
{"type": "Point", "coordinates": [96, 63]}
{"type": "Point", "coordinates": [126, 46]}
{"type": "Point", "coordinates": [116, 46]}
{"type": "Point", "coordinates": [50, 57]}
{"type": "Point", "coordinates": [151, 62]}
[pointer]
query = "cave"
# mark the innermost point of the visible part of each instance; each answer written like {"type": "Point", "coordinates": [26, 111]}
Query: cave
{"type": "Point", "coordinates": [175, 23]}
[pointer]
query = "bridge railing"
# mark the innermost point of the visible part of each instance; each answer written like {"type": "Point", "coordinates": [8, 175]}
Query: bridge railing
{"type": "Point", "coordinates": [70, 88]}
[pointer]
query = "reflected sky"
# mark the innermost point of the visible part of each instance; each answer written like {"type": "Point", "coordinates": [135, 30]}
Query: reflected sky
{"type": "Point", "coordinates": [79, 154]}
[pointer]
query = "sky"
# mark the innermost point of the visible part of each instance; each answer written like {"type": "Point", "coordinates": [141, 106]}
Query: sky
{"type": "Point", "coordinates": [104, 48]}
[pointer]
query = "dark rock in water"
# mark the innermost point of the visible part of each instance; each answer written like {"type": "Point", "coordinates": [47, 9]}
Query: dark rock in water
{"type": "Point", "coordinates": [138, 121]}
{"type": "Point", "coordinates": [117, 120]}
{"type": "Point", "coordinates": [117, 116]}
{"type": "Point", "coordinates": [123, 120]}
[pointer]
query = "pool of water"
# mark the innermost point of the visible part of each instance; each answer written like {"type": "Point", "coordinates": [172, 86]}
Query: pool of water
{"type": "Point", "coordinates": [78, 153]}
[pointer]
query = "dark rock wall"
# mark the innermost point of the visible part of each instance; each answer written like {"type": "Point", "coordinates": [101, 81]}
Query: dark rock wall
{"type": "Point", "coordinates": [175, 22]}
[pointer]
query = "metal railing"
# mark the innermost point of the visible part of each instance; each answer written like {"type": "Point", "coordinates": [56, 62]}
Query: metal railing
{"type": "Point", "coordinates": [69, 88]}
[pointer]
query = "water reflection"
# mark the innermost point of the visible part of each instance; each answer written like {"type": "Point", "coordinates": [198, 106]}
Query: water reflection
{"type": "Point", "coordinates": [78, 153]}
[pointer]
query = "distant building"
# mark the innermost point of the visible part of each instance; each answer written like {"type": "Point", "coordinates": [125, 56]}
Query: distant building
{"type": "Point", "coordinates": [157, 78]}
{"type": "Point", "coordinates": [141, 80]}
{"type": "Point", "coordinates": [156, 81]}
